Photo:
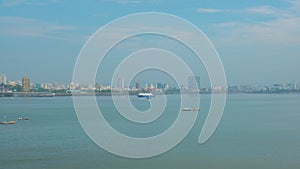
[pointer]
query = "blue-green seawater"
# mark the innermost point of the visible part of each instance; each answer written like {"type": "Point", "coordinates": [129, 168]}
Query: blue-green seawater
{"type": "Point", "coordinates": [256, 131]}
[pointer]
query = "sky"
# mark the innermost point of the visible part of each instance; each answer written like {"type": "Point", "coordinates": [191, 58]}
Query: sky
{"type": "Point", "coordinates": [258, 41]}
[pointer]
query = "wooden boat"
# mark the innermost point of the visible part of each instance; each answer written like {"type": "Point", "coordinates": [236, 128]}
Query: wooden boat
{"type": "Point", "coordinates": [186, 109]}
{"type": "Point", "coordinates": [7, 122]}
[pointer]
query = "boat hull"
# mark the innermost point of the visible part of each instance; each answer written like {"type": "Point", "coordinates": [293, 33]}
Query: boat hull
{"type": "Point", "coordinates": [145, 95]}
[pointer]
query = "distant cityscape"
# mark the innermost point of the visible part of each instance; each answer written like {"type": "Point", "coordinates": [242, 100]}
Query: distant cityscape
{"type": "Point", "coordinates": [24, 87]}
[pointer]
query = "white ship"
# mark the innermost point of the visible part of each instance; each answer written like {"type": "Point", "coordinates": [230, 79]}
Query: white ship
{"type": "Point", "coordinates": [146, 95]}
{"type": "Point", "coordinates": [190, 109]}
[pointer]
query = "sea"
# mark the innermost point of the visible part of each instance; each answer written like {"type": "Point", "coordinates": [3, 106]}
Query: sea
{"type": "Point", "coordinates": [256, 131]}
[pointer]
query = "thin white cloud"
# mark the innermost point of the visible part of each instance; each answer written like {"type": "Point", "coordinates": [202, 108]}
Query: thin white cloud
{"type": "Point", "coordinates": [262, 10]}
{"type": "Point", "coordinates": [126, 1]}
{"type": "Point", "coordinates": [209, 10]}
{"type": "Point", "coordinates": [11, 3]}
{"type": "Point", "coordinates": [295, 3]}
{"type": "Point", "coordinates": [18, 26]}
{"type": "Point", "coordinates": [254, 10]}
{"type": "Point", "coordinates": [135, 1]}
{"type": "Point", "coordinates": [282, 30]}
{"type": "Point", "coordinates": [267, 10]}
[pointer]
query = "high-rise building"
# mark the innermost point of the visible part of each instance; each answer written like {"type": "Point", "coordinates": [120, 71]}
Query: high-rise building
{"type": "Point", "coordinates": [149, 87]}
{"type": "Point", "coordinates": [138, 85]}
{"type": "Point", "coordinates": [121, 83]}
{"type": "Point", "coordinates": [3, 79]}
{"type": "Point", "coordinates": [194, 83]}
{"type": "Point", "coordinates": [159, 85]}
{"type": "Point", "coordinates": [26, 84]}
{"type": "Point", "coordinates": [165, 86]}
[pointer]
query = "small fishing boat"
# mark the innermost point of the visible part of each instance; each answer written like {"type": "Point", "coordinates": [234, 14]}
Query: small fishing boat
{"type": "Point", "coordinates": [22, 118]}
{"type": "Point", "coordinates": [196, 109]}
{"type": "Point", "coordinates": [7, 122]}
{"type": "Point", "coordinates": [186, 109]}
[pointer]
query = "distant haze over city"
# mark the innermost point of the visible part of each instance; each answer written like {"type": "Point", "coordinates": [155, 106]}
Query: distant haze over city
{"type": "Point", "coordinates": [258, 41]}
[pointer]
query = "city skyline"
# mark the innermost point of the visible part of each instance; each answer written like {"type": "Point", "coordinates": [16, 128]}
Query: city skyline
{"type": "Point", "coordinates": [257, 41]}
{"type": "Point", "coordinates": [193, 84]}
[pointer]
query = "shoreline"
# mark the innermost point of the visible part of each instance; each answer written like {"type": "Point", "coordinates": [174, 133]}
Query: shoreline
{"type": "Point", "coordinates": [40, 94]}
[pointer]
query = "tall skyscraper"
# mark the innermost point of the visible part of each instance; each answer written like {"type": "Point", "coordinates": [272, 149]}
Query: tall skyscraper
{"type": "Point", "coordinates": [194, 83]}
{"type": "Point", "coordinates": [159, 85]}
{"type": "Point", "coordinates": [26, 84]}
{"type": "Point", "coordinates": [3, 79]}
{"type": "Point", "coordinates": [138, 85]}
{"type": "Point", "coordinates": [121, 83]}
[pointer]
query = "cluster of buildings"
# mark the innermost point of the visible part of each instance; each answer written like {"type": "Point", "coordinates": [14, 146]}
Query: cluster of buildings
{"type": "Point", "coordinates": [26, 86]}
{"type": "Point", "coordinates": [8, 86]}
{"type": "Point", "coordinates": [21, 86]}
{"type": "Point", "coordinates": [275, 88]}
{"type": "Point", "coordinates": [139, 86]}
{"type": "Point", "coordinates": [193, 85]}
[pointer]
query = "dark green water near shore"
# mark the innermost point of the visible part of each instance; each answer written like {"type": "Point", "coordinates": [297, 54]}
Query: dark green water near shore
{"type": "Point", "coordinates": [256, 131]}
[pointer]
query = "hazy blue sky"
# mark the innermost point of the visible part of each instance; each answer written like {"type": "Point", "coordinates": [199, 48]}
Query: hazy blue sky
{"type": "Point", "coordinates": [258, 41]}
